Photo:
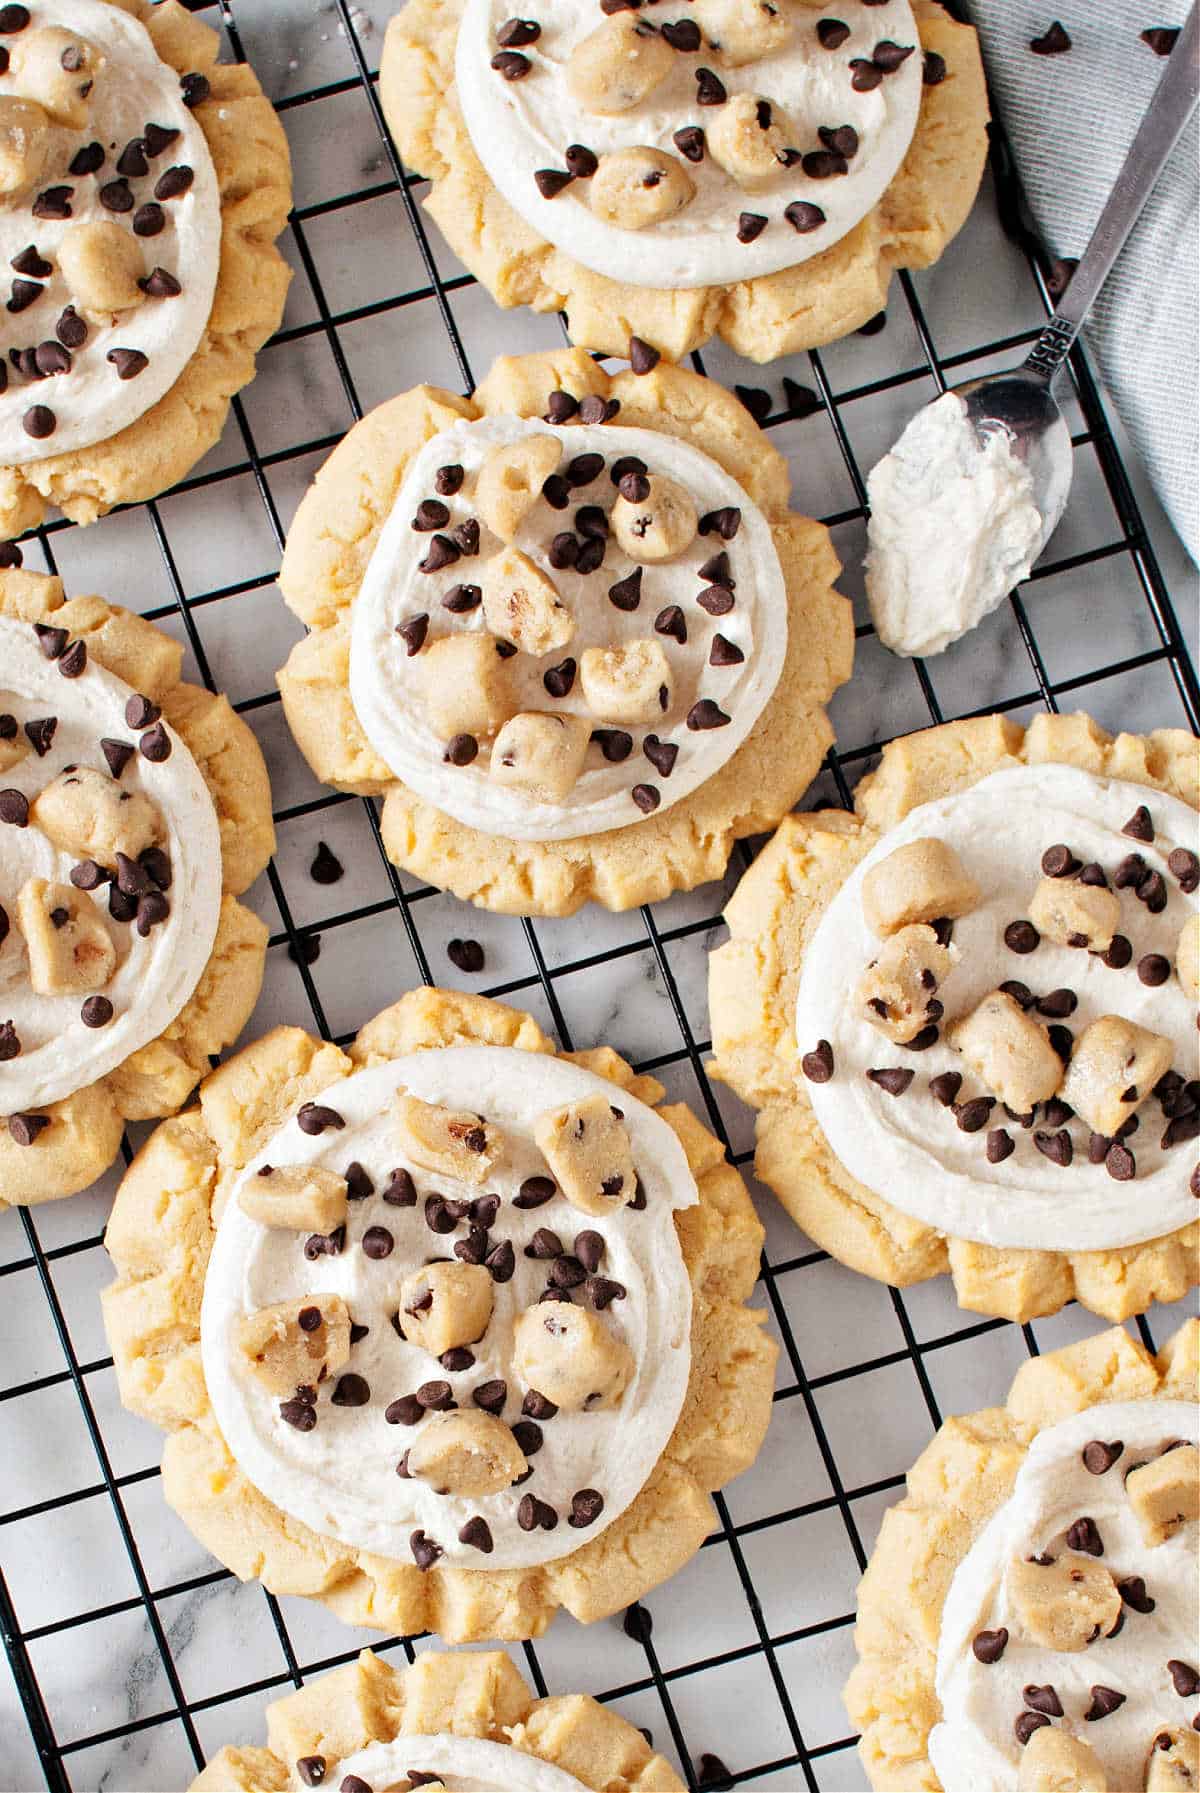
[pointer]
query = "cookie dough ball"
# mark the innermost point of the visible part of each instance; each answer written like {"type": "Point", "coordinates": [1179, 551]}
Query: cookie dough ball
{"type": "Point", "coordinates": [618, 65]}
{"type": "Point", "coordinates": [742, 31]}
{"type": "Point", "coordinates": [446, 1305]}
{"type": "Point", "coordinates": [70, 949]}
{"type": "Point", "coordinates": [1165, 1493]}
{"type": "Point", "coordinates": [1173, 1765]}
{"type": "Point", "coordinates": [653, 518]}
{"type": "Point", "coordinates": [295, 1344]}
{"type": "Point", "coordinates": [88, 815]}
{"type": "Point", "coordinates": [924, 880]}
{"type": "Point", "coordinates": [58, 70]}
{"type": "Point", "coordinates": [24, 143]}
{"type": "Point", "coordinates": [586, 1144]}
{"type": "Point", "coordinates": [1055, 1762]}
{"type": "Point", "coordinates": [541, 753]}
{"type": "Point", "coordinates": [101, 263]}
{"type": "Point", "coordinates": [1073, 914]}
{"type": "Point", "coordinates": [470, 1453]}
{"type": "Point", "coordinates": [510, 482]}
{"type": "Point", "coordinates": [1113, 1069]}
{"type": "Point", "coordinates": [636, 187]}
{"type": "Point", "coordinates": [1062, 1604]}
{"type": "Point", "coordinates": [466, 686]}
{"type": "Point", "coordinates": [521, 605]}
{"type": "Point", "coordinates": [900, 984]}
{"type": "Point", "coordinates": [569, 1355]}
{"type": "Point", "coordinates": [301, 1196]}
{"type": "Point", "coordinates": [630, 683]}
{"type": "Point", "coordinates": [451, 1141]}
{"type": "Point", "coordinates": [1009, 1053]}
{"type": "Point", "coordinates": [1187, 955]}
{"type": "Point", "coordinates": [748, 138]}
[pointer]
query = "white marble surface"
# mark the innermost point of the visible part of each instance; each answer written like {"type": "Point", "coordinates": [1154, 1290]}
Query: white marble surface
{"type": "Point", "coordinates": [106, 1691]}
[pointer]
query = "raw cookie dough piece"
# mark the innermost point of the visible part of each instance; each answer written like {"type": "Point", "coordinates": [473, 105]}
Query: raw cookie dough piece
{"type": "Point", "coordinates": [510, 482]}
{"type": "Point", "coordinates": [571, 1357]}
{"type": "Point", "coordinates": [466, 1453]}
{"type": "Point", "coordinates": [920, 882]}
{"type": "Point", "coordinates": [466, 687]}
{"type": "Point", "coordinates": [1075, 914]}
{"type": "Point", "coordinates": [898, 990]}
{"type": "Point", "coordinates": [292, 1343]}
{"type": "Point", "coordinates": [1055, 1762]}
{"type": "Point", "coordinates": [1063, 1604]}
{"type": "Point", "coordinates": [93, 817]}
{"type": "Point", "coordinates": [626, 684]}
{"type": "Point", "coordinates": [301, 1196]}
{"type": "Point", "coordinates": [1114, 1068]}
{"type": "Point", "coordinates": [70, 949]}
{"type": "Point", "coordinates": [1173, 1764]}
{"type": "Point", "coordinates": [1165, 1494]}
{"type": "Point", "coordinates": [541, 753]}
{"type": "Point", "coordinates": [455, 1142]}
{"type": "Point", "coordinates": [523, 606]}
{"type": "Point", "coordinates": [587, 1147]}
{"type": "Point", "coordinates": [446, 1306]}
{"type": "Point", "coordinates": [1009, 1053]}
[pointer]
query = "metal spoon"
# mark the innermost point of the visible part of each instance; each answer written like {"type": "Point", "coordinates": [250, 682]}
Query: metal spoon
{"type": "Point", "coordinates": [1021, 402]}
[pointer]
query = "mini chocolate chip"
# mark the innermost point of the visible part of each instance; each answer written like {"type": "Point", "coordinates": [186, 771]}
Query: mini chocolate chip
{"type": "Point", "coordinates": [646, 797]}
{"type": "Point", "coordinates": [194, 88]}
{"type": "Point", "coordinates": [1184, 865]}
{"type": "Point", "coordinates": [1053, 41]}
{"type": "Point", "coordinates": [706, 714]}
{"type": "Point", "coordinates": [671, 621]}
{"type": "Point", "coordinates": [1130, 871]}
{"type": "Point", "coordinates": [725, 652]}
{"type": "Point", "coordinates": [302, 1415]}
{"type": "Point", "coordinates": [157, 138]}
{"type": "Point", "coordinates": [1139, 826]}
{"type": "Point", "coordinates": [491, 1396]}
{"type": "Point", "coordinates": [160, 283]}
{"type": "Point", "coordinates": [583, 469]}
{"type": "Point", "coordinates": [1105, 1700]}
{"type": "Point", "coordinates": [591, 522]}
{"type": "Point", "coordinates": [614, 743]}
{"type": "Point", "coordinates": [724, 522]}
{"type": "Point", "coordinates": [97, 1011]}
{"type": "Point", "coordinates": [865, 75]}
{"type": "Point", "coordinates": [54, 202]}
{"type": "Point", "coordinates": [173, 182]}
{"type": "Point", "coordinates": [566, 1272]}
{"type": "Point", "coordinates": [425, 1552]}
{"type": "Point", "coordinates": [155, 744]}
{"type": "Point", "coordinates": [602, 1291]}
{"type": "Point", "coordinates": [544, 1244]}
{"type": "Point", "coordinates": [1021, 937]}
{"type": "Point", "coordinates": [689, 141]}
{"type": "Point", "coordinates": [149, 220]}
{"type": "Point", "coordinates": [643, 356]}
{"type": "Point", "coordinates": [467, 955]}
{"type": "Point", "coordinates": [710, 89]}
{"type": "Point", "coordinates": [528, 1436]}
{"type": "Point", "coordinates": [532, 1513]}
{"type": "Point", "coordinates": [1083, 1535]}
{"type": "Point", "coordinates": [817, 1065]}
{"type": "Point", "coordinates": [24, 294]}
{"type": "Point", "coordinates": [436, 1397]}
{"type": "Point", "coordinates": [661, 754]}
{"type": "Point", "coordinates": [989, 1646]}
{"type": "Point", "coordinates": [1153, 969]}
{"type": "Point", "coordinates": [1094, 875]}
{"type": "Point", "coordinates": [750, 226]}
{"type": "Point", "coordinates": [559, 679]}
{"type": "Point", "coordinates": [999, 1146]}
{"type": "Point", "coordinates": [129, 363]}
{"type": "Point", "coordinates": [536, 1406]}
{"type": "Point", "coordinates": [10, 1043]}
{"type": "Point", "coordinates": [86, 160]}
{"type": "Point", "coordinates": [822, 164]}
{"type": "Point", "coordinates": [378, 1242]}
{"type": "Point", "coordinates": [1043, 1699]}
{"type": "Point", "coordinates": [313, 1118]}
{"type": "Point", "coordinates": [586, 1507]}
{"type": "Point", "coordinates": [351, 1391]}
{"type": "Point", "coordinates": [892, 1079]}
{"type": "Point", "coordinates": [594, 409]}
{"type": "Point", "coordinates": [756, 400]}
{"type": "Point", "coordinates": [803, 216]}
{"type": "Point", "coordinates": [712, 1774]}
{"type": "Point", "coordinates": [39, 422]}
{"type": "Point", "coordinates": [945, 1086]}
{"type": "Point", "coordinates": [582, 161]}
{"type": "Point", "coordinates": [1055, 1146]}
{"type": "Point", "coordinates": [534, 1192]}
{"type": "Point", "coordinates": [461, 750]}
{"type": "Point", "coordinates": [1098, 1457]}
{"type": "Point", "coordinates": [51, 358]}
{"type": "Point", "coordinates": [841, 139]}
{"type": "Point", "coordinates": [1057, 1005]}
{"type": "Point", "coordinates": [413, 633]}
{"type": "Point", "coordinates": [1119, 953]}
{"type": "Point", "coordinates": [626, 594]}
{"type": "Point", "coordinates": [888, 56]}
{"type": "Point", "coordinates": [50, 640]}
{"type": "Point", "coordinates": [933, 68]}
{"type": "Point", "coordinates": [550, 182]}
{"type": "Point", "coordinates": [501, 1262]}
{"type": "Point", "coordinates": [1059, 862]}
{"type": "Point", "coordinates": [1183, 1677]}
{"type": "Point", "coordinates": [326, 867]}
{"type": "Point", "coordinates": [1132, 1590]}
{"type": "Point", "coordinates": [1027, 1723]}
{"type": "Point", "coordinates": [972, 1116]}
{"type": "Point", "coordinates": [477, 1535]}
{"type": "Point", "coordinates": [465, 536]}
{"type": "Point", "coordinates": [40, 733]}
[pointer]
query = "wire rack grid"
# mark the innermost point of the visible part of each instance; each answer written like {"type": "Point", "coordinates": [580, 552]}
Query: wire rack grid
{"type": "Point", "coordinates": [131, 1656]}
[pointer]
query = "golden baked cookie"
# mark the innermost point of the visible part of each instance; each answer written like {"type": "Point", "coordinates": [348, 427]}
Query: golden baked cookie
{"type": "Point", "coordinates": [974, 1053]}
{"type": "Point", "coordinates": [567, 627]}
{"type": "Point", "coordinates": [1004, 1634]}
{"type": "Point", "coordinates": [429, 1442]}
{"type": "Point", "coordinates": [367, 1725]}
{"type": "Point", "coordinates": [134, 810]}
{"type": "Point", "coordinates": [142, 187]}
{"type": "Point", "coordinates": [750, 171]}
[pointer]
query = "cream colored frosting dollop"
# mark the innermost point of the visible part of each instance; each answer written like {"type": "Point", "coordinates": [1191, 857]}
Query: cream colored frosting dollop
{"type": "Point", "coordinates": [340, 1478]}
{"type": "Point", "coordinates": [386, 682]}
{"type": "Point", "coordinates": [909, 1149]}
{"type": "Point", "coordinates": [462, 1764]}
{"type": "Point", "coordinates": [133, 89]}
{"type": "Point", "coordinates": [519, 127]}
{"type": "Point", "coordinates": [975, 1746]}
{"type": "Point", "coordinates": [155, 974]}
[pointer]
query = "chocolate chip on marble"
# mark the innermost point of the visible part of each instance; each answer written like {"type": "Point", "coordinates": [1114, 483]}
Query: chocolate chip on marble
{"type": "Point", "coordinates": [1054, 41]}
{"type": "Point", "coordinates": [466, 955]}
{"type": "Point", "coordinates": [756, 400]}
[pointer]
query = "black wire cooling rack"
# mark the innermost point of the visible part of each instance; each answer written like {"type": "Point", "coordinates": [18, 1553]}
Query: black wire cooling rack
{"type": "Point", "coordinates": [782, 1748]}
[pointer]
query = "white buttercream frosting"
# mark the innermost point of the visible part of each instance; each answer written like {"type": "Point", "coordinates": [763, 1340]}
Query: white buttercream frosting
{"type": "Point", "coordinates": [909, 1149]}
{"type": "Point", "coordinates": [155, 974]}
{"type": "Point", "coordinates": [975, 1745]}
{"type": "Point", "coordinates": [340, 1478]}
{"type": "Point", "coordinates": [386, 683]}
{"type": "Point", "coordinates": [133, 89]}
{"type": "Point", "coordinates": [462, 1764]}
{"type": "Point", "coordinates": [954, 527]}
{"type": "Point", "coordinates": [520, 127]}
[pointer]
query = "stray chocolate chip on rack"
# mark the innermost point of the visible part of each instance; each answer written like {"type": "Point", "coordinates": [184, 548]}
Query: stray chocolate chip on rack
{"type": "Point", "coordinates": [1161, 38]}
{"type": "Point", "coordinates": [466, 955]}
{"type": "Point", "coordinates": [326, 867]}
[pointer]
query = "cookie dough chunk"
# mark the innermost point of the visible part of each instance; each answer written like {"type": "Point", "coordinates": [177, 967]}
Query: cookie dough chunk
{"type": "Point", "coordinates": [1056, 1762]}
{"type": "Point", "coordinates": [743, 31]}
{"type": "Point", "coordinates": [90, 816]}
{"type": "Point", "coordinates": [57, 69]}
{"type": "Point", "coordinates": [523, 606]}
{"type": "Point", "coordinates": [749, 138]}
{"type": "Point", "coordinates": [1173, 1764]}
{"type": "Point", "coordinates": [1074, 914]}
{"type": "Point", "coordinates": [541, 753]}
{"type": "Point", "coordinates": [631, 683]}
{"type": "Point", "coordinates": [510, 483]}
{"type": "Point", "coordinates": [1165, 1493]}
{"type": "Point", "coordinates": [1064, 1604]}
{"type": "Point", "coordinates": [1009, 1053]}
{"type": "Point", "coordinates": [101, 263]}
{"type": "Point", "coordinates": [637, 187]}
{"type": "Point", "coordinates": [587, 1147]}
{"type": "Point", "coordinates": [901, 982]}
{"type": "Point", "coordinates": [569, 1355]}
{"type": "Point", "coordinates": [466, 1453]}
{"type": "Point", "coordinates": [293, 1344]}
{"type": "Point", "coordinates": [24, 143]}
{"type": "Point", "coordinates": [653, 519]}
{"type": "Point", "coordinates": [446, 1305]}
{"type": "Point", "coordinates": [14, 745]}
{"type": "Point", "coordinates": [1187, 955]}
{"type": "Point", "coordinates": [70, 949]}
{"type": "Point", "coordinates": [454, 1142]}
{"type": "Point", "coordinates": [466, 686]}
{"type": "Point", "coordinates": [301, 1196]}
{"type": "Point", "coordinates": [922, 881]}
{"type": "Point", "coordinates": [1115, 1066]}
{"type": "Point", "coordinates": [618, 66]}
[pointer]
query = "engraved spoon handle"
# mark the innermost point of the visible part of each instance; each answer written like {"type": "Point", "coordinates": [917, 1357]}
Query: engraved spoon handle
{"type": "Point", "coordinates": [1168, 112]}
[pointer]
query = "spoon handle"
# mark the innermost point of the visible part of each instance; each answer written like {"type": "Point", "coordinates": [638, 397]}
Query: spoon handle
{"type": "Point", "coordinates": [1157, 135]}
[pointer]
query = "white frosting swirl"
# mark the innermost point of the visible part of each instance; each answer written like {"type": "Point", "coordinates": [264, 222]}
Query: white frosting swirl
{"type": "Point", "coordinates": [975, 1745]}
{"type": "Point", "coordinates": [462, 1764]}
{"type": "Point", "coordinates": [519, 127]}
{"type": "Point", "coordinates": [135, 88]}
{"type": "Point", "coordinates": [386, 682]}
{"type": "Point", "coordinates": [155, 974]}
{"type": "Point", "coordinates": [340, 1479]}
{"type": "Point", "coordinates": [909, 1149]}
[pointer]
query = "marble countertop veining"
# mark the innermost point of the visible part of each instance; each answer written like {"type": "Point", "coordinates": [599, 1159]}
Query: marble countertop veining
{"type": "Point", "coordinates": [84, 1530]}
